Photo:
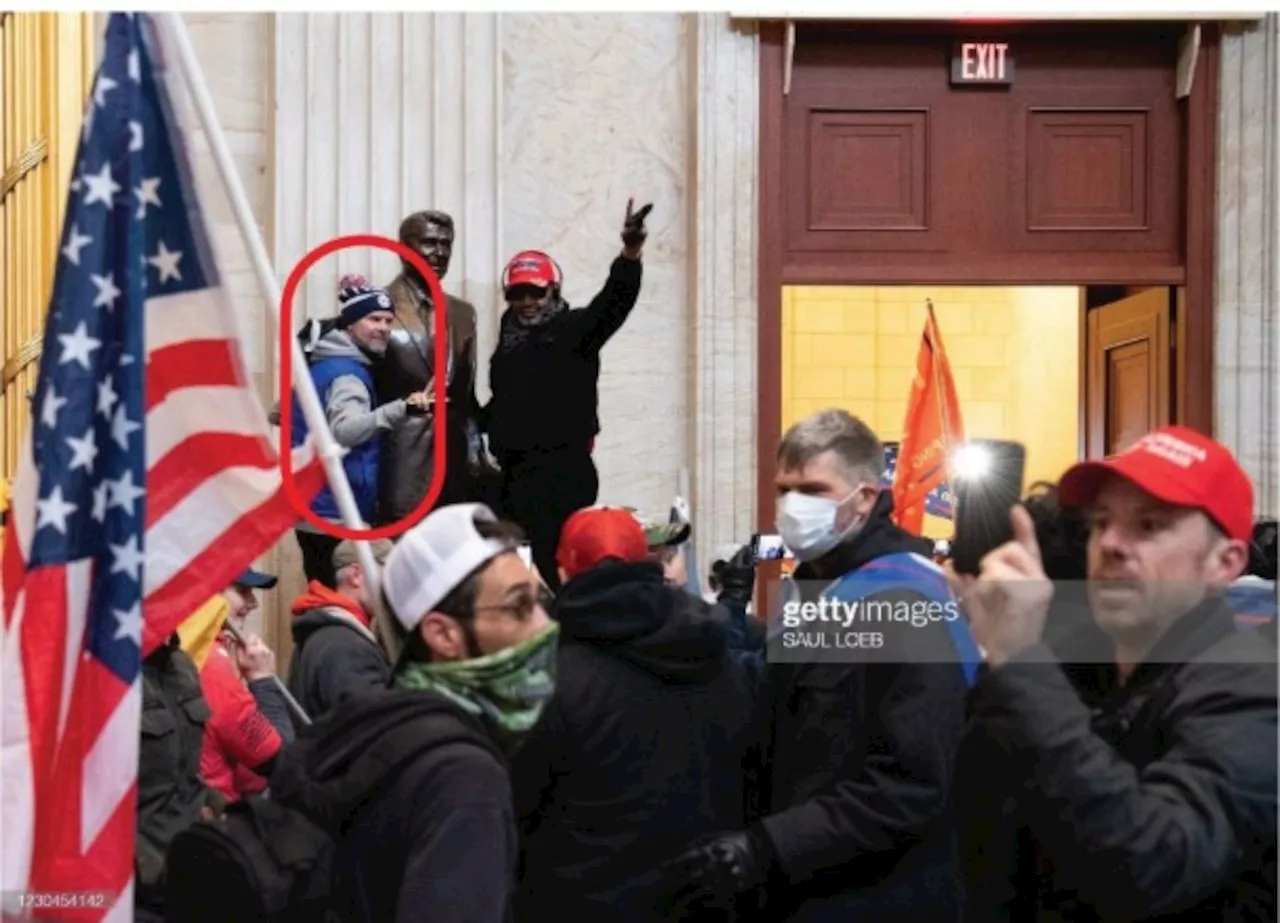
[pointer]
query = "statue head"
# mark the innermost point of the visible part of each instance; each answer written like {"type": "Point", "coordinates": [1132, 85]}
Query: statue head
{"type": "Point", "coordinates": [429, 233]}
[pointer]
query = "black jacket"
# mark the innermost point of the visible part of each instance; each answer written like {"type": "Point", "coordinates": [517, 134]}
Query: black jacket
{"type": "Point", "coordinates": [171, 791]}
{"type": "Point", "coordinates": [545, 387]}
{"type": "Point", "coordinates": [1160, 803]}
{"type": "Point", "coordinates": [419, 800]}
{"type": "Point", "coordinates": [334, 657]}
{"type": "Point", "coordinates": [855, 767]}
{"type": "Point", "coordinates": [639, 753]}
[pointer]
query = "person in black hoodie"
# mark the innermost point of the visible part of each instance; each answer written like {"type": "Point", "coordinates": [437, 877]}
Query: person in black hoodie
{"type": "Point", "coordinates": [1160, 802]}
{"type": "Point", "coordinates": [641, 749]}
{"type": "Point", "coordinates": [850, 817]}
{"type": "Point", "coordinates": [412, 782]}
{"type": "Point", "coordinates": [542, 417]}
{"type": "Point", "coordinates": [335, 652]}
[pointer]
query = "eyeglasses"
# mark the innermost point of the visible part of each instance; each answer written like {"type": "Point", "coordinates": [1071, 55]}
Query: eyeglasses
{"type": "Point", "coordinates": [520, 609]}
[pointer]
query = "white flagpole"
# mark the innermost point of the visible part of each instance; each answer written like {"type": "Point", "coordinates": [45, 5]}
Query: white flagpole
{"type": "Point", "coordinates": [330, 452]}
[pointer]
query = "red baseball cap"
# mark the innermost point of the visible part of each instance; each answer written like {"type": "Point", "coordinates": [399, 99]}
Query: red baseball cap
{"type": "Point", "coordinates": [1178, 466]}
{"type": "Point", "coordinates": [594, 534]}
{"type": "Point", "coordinates": [531, 267]}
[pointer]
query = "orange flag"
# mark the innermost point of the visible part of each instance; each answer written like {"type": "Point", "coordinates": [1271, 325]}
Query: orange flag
{"type": "Point", "coordinates": [932, 431]}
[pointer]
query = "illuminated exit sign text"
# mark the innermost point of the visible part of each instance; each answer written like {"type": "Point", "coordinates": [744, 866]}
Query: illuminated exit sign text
{"type": "Point", "coordinates": [982, 63]}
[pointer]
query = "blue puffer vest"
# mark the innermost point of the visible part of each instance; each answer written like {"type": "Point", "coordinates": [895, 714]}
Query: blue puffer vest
{"type": "Point", "coordinates": [905, 571]}
{"type": "Point", "coordinates": [360, 462]}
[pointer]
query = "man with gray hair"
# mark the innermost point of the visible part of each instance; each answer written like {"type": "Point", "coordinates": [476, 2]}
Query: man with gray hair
{"type": "Point", "coordinates": [850, 804]}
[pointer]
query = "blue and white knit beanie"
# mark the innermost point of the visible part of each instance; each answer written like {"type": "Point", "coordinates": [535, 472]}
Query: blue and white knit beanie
{"type": "Point", "coordinates": [358, 299]}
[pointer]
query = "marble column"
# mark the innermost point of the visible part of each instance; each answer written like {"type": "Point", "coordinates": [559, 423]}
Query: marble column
{"type": "Point", "coordinates": [1248, 277]}
{"type": "Point", "coordinates": [597, 110]}
{"type": "Point", "coordinates": [378, 115]}
{"type": "Point", "coordinates": [725, 100]}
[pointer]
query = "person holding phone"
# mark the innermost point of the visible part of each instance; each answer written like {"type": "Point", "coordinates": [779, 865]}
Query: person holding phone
{"type": "Point", "coordinates": [1159, 802]}
{"type": "Point", "coordinates": [542, 417]}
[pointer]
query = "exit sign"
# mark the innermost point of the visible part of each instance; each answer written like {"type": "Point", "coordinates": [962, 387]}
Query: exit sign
{"type": "Point", "coordinates": [981, 63]}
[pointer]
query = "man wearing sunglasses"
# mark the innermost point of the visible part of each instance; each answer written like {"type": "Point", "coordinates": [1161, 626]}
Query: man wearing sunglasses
{"type": "Point", "coordinates": [412, 782]}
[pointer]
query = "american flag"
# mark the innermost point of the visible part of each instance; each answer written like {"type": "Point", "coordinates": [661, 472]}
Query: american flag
{"type": "Point", "coordinates": [148, 481]}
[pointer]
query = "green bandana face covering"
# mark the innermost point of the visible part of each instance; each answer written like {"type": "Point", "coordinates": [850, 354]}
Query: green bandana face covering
{"type": "Point", "coordinates": [507, 689]}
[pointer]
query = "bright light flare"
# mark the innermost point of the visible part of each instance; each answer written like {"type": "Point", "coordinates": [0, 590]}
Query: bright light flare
{"type": "Point", "coordinates": [971, 462]}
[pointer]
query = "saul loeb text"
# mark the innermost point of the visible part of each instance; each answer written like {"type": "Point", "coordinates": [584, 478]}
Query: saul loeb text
{"type": "Point", "coordinates": [833, 630]}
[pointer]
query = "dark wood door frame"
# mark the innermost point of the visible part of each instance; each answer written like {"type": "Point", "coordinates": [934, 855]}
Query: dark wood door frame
{"type": "Point", "coordinates": [1195, 391]}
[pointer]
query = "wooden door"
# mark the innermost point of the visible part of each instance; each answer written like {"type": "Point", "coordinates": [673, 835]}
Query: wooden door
{"type": "Point", "coordinates": [1128, 370]}
{"type": "Point", "coordinates": [890, 174]}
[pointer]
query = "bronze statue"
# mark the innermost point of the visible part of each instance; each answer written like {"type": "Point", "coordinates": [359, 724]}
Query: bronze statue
{"type": "Point", "coordinates": [407, 463]}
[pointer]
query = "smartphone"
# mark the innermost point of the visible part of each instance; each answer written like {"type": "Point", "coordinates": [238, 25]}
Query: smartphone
{"type": "Point", "coordinates": [765, 547]}
{"type": "Point", "coordinates": [986, 483]}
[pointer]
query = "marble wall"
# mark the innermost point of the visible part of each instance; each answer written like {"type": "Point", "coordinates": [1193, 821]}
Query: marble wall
{"type": "Point", "coordinates": [594, 112]}
{"type": "Point", "coordinates": [1248, 277]}
{"type": "Point", "coordinates": [235, 51]}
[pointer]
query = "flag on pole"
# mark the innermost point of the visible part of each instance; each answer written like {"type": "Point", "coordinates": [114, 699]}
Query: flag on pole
{"type": "Point", "coordinates": [933, 429]}
{"type": "Point", "coordinates": [148, 480]}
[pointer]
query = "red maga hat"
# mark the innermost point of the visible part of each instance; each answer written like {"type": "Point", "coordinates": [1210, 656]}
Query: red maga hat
{"type": "Point", "coordinates": [597, 533]}
{"type": "Point", "coordinates": [1178, 466]}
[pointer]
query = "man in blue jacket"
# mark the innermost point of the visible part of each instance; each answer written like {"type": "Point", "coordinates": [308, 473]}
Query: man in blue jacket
{"type": "Point", "coordinates": [341, 369]}
{"type": "Point", "coordinates": [850, 816]}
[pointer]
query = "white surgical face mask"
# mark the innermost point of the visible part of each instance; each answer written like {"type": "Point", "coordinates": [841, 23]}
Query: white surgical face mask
{"type": "Point", "coordinates": [807, 524]}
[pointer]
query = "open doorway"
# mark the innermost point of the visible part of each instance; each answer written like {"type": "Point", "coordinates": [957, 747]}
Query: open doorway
{"type": "Point", "coordinates": [1069, 371]}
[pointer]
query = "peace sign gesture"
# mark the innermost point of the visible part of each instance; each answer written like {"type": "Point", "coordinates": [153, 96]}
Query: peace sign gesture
{"type": "Point", "coordinates": [633, 229]}
{"type": "Point", "coordinates": [1009, 600]}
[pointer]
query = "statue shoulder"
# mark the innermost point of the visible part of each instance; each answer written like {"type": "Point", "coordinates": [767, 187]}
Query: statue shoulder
{"type": "Point", "coordinates": [462, 312]}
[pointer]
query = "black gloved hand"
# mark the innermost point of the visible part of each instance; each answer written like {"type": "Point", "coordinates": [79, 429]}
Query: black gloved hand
{"type": "Point", "coordinates": [736, 576]}
{"type": "Point", "coordinates": [725, 872]}
{"type": "Point", "coordinates": [634, 232]}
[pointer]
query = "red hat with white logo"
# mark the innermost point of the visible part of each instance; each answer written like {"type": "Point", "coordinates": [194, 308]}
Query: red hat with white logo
{"type": "Point", "coordinates": [531, 267]}
{"type": "Point", "coordinates": [1178, 466]}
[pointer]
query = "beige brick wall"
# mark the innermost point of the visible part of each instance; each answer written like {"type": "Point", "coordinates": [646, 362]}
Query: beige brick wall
{"type": "Point", "coordinates": [1014, 355]}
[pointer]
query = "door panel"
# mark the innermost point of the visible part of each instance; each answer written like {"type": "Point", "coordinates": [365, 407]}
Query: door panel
{"type": "Point", "coordinates": [1071, 174]}
{"type": "Point", "coordinates": [1129, 364]}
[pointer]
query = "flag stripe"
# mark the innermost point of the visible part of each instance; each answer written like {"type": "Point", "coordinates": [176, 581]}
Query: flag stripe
{"type": "Point", "coordinates": [201, 517]}
{"type": "Point", "coordinates": [78, 581]}
{"type": "Point", "coordinates": [22, 504]}
{"type": "Point", "coordinates": [18, 794]}
{"type": "Point", "coordinates": [110, 766]}
{"type": "Point", "coordinates": [122, 910]}
{"type": "Point", "coordinates": [198, 314]}
{"type": "Point", "coordinates": [194, 364]}
{"type": "Point", "coordinates": [254, 533]}
{"type": "Point", "coordinates": [196, 460]}
{"type": "Point", "coordinates": [199, 410]}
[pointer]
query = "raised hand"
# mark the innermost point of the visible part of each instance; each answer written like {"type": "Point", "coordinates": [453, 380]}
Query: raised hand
{"type": "Point", "coordinates": [1008, 601]}
{"type": "Point", "coordinates": [634, 232]}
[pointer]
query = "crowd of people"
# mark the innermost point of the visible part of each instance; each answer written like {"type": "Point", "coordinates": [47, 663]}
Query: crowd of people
{"type": "Point", "coordinates": [1083, 730]}
{"type": "Point", "coordinates": [526, 452]}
